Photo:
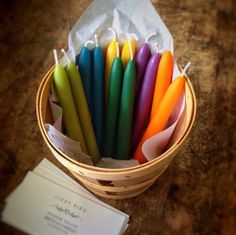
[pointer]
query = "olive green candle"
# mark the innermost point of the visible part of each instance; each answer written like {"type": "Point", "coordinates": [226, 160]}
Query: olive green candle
{"type": "Point", "coordinates": [82, 109]}
{"type": "Point", "coordinates": [70, 117]}
{"type": "Point", "coordinates": [126, 111]}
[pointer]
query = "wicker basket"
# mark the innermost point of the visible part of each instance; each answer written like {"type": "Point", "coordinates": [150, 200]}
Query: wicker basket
{"type": "Point", "coordinates": [117, 183]}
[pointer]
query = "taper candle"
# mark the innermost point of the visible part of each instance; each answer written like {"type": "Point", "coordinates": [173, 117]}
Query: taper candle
{"type": "Point", "coordinates": [113, 104]}
{"type": "Point", "coordinates": [126, 110]}
{"type": "Point", "coordinates": [163, 113]}
{"type": "Point", "coordinates": [110, 57]}
{"type": "Point", "coordinates": [126, 53]}
{"type": "Point", "coordinates": [143, 105]}
{"type": "Point", "coordinates": [82, 109]}
{"type": "Point", "coordinates": [141, 60]}
{"type": "Point", "coordinates": [98, 94]}
{"type": "Point", "coordinates": [163, 79]}
{"type": "Point", "coordinates": [70, 118]}
{"type": "Point", "coordinates": [85, 69]}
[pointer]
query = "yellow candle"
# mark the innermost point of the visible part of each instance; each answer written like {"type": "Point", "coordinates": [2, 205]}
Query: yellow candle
{"type": "Point", "coordinates": [125, 54]}
{"type": "Point", "coordinates": [110, 57]}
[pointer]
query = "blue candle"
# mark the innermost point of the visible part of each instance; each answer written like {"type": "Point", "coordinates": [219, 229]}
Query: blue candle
{"type": "Point", "coordinates": [84, 62]}
{"type": "Point", "coordinates": [98, 94]}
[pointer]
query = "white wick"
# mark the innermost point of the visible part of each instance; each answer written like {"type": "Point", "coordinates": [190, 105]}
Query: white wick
{"type": "Point", "coordinates": [157, 47]}
{"type": "Point", "coordinates": [113, 32]}
{"type": "Point", "coordinates": [96, 40]}
{"type": "Point", "coordinates": [133, 35]}
{"type": "Point", "coordinates": [88, 42]}
{"type": "Point", "coordinates": [130, 49]}
{"type": "Point", "coordinates": [65, 54]}
{"type": "Point", "coordinates": [55, 56]}
{"type": "Point", "coordinates": [185, 69]}
{"type": "Point", "coordinates": [149, 36]}
{"type": "Point", "coordinates": [117, 49]}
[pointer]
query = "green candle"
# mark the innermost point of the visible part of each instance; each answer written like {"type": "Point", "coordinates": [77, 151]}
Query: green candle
{"type": "Point", "coordinates": [126, 111]}
{"type": "Point", "coordinates": [82, 109]}
{"type": "Point", "coordinates": [70, 117]}
{"type": "Point", "coordinates": [113, 103]}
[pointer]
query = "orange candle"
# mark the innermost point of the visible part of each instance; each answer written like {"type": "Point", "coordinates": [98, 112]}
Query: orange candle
{"type": "Point", "coordinates": [163, 80]}
{"type": "Point", "coordinates": [162, 115]}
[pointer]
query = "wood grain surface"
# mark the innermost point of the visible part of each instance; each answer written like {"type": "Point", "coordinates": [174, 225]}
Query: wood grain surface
{"type": "Point", "coordinates": [197, 194]}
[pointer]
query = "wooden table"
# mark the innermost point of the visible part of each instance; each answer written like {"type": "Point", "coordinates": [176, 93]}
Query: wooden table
{"type": "Point", "coordinates": [197, 194]}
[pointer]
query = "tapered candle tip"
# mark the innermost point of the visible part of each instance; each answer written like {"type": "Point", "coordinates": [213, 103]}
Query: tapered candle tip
{"type": "Point", "coordinates": [55, 56]}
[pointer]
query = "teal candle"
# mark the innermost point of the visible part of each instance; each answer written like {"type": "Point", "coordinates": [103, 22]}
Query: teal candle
{"type": "Point", "coordinates": [98, 94]}
{"type": "Point", "coordinates": [113, 103]}
{"type": "Point", "coordinates": [70, 118]}
{"type": "Point", "coordinates": [85, 69]}
{"type": "Point", "coordinates": [126, 111]}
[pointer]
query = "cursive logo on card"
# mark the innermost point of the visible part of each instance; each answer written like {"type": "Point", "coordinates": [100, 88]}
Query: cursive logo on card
{"type": "Point", "coordinates": [67, 212]}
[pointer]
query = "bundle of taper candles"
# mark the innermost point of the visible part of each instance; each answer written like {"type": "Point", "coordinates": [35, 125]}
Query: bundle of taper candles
{"type": "Point", "coordinates": [113, 103]}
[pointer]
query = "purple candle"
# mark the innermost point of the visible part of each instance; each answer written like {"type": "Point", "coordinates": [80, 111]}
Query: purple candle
{"type": "Point", "coordinates": [141, 59]}
{"type": "Point", "coordinates": [143, 106]}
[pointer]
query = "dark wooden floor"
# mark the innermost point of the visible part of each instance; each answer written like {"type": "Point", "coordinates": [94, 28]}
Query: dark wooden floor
{"type": "Point", "coordinates": [197, 194]}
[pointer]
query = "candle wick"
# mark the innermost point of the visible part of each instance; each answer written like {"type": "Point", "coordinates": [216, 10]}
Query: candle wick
{"type": "Point", "coordinates": [117, 50]}
{"type": "Point", "coordinates": [88, 42]}
{"type": "Point", "coordinates": [55, 56]}
{"type": "Point", "coordinates": [130, 49]}
{"type": "Point", "coordinates": [157, 47]}
{"type": "Point", "coordinates": [127, 36]}
{"type": "Point", "coordinates": [134, 36]}
{"type": "Point", "coordinates": [185, 69]}
{"type": "Point", "coordinates": [65, 54]}
{"type": "Point", "coordinates": [149, 36]}
{"type": "Point", "coordinates": [114, 32]}
{"type": "Point", "coordinates": [96, 40]}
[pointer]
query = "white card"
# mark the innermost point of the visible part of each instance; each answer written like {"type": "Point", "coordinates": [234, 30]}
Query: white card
{"type": "Point", "coordinates": [69, 184]}
{"type": "Point", "coordinates": [39, 206]}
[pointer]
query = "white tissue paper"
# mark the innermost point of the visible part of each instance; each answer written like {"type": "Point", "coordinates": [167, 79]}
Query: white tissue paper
{"type": "Point", "coordinates": [136, 16]}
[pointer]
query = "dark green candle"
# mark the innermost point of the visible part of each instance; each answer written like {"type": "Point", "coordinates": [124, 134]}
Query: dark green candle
{"type": "Point", "coordinates": [126, 111]}
{"type": "Point", "coordinates": [113, 104]}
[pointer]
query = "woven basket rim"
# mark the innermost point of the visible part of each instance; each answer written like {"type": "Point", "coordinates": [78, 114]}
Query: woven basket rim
{"type": "Point", "coordinates": [101, 170]}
